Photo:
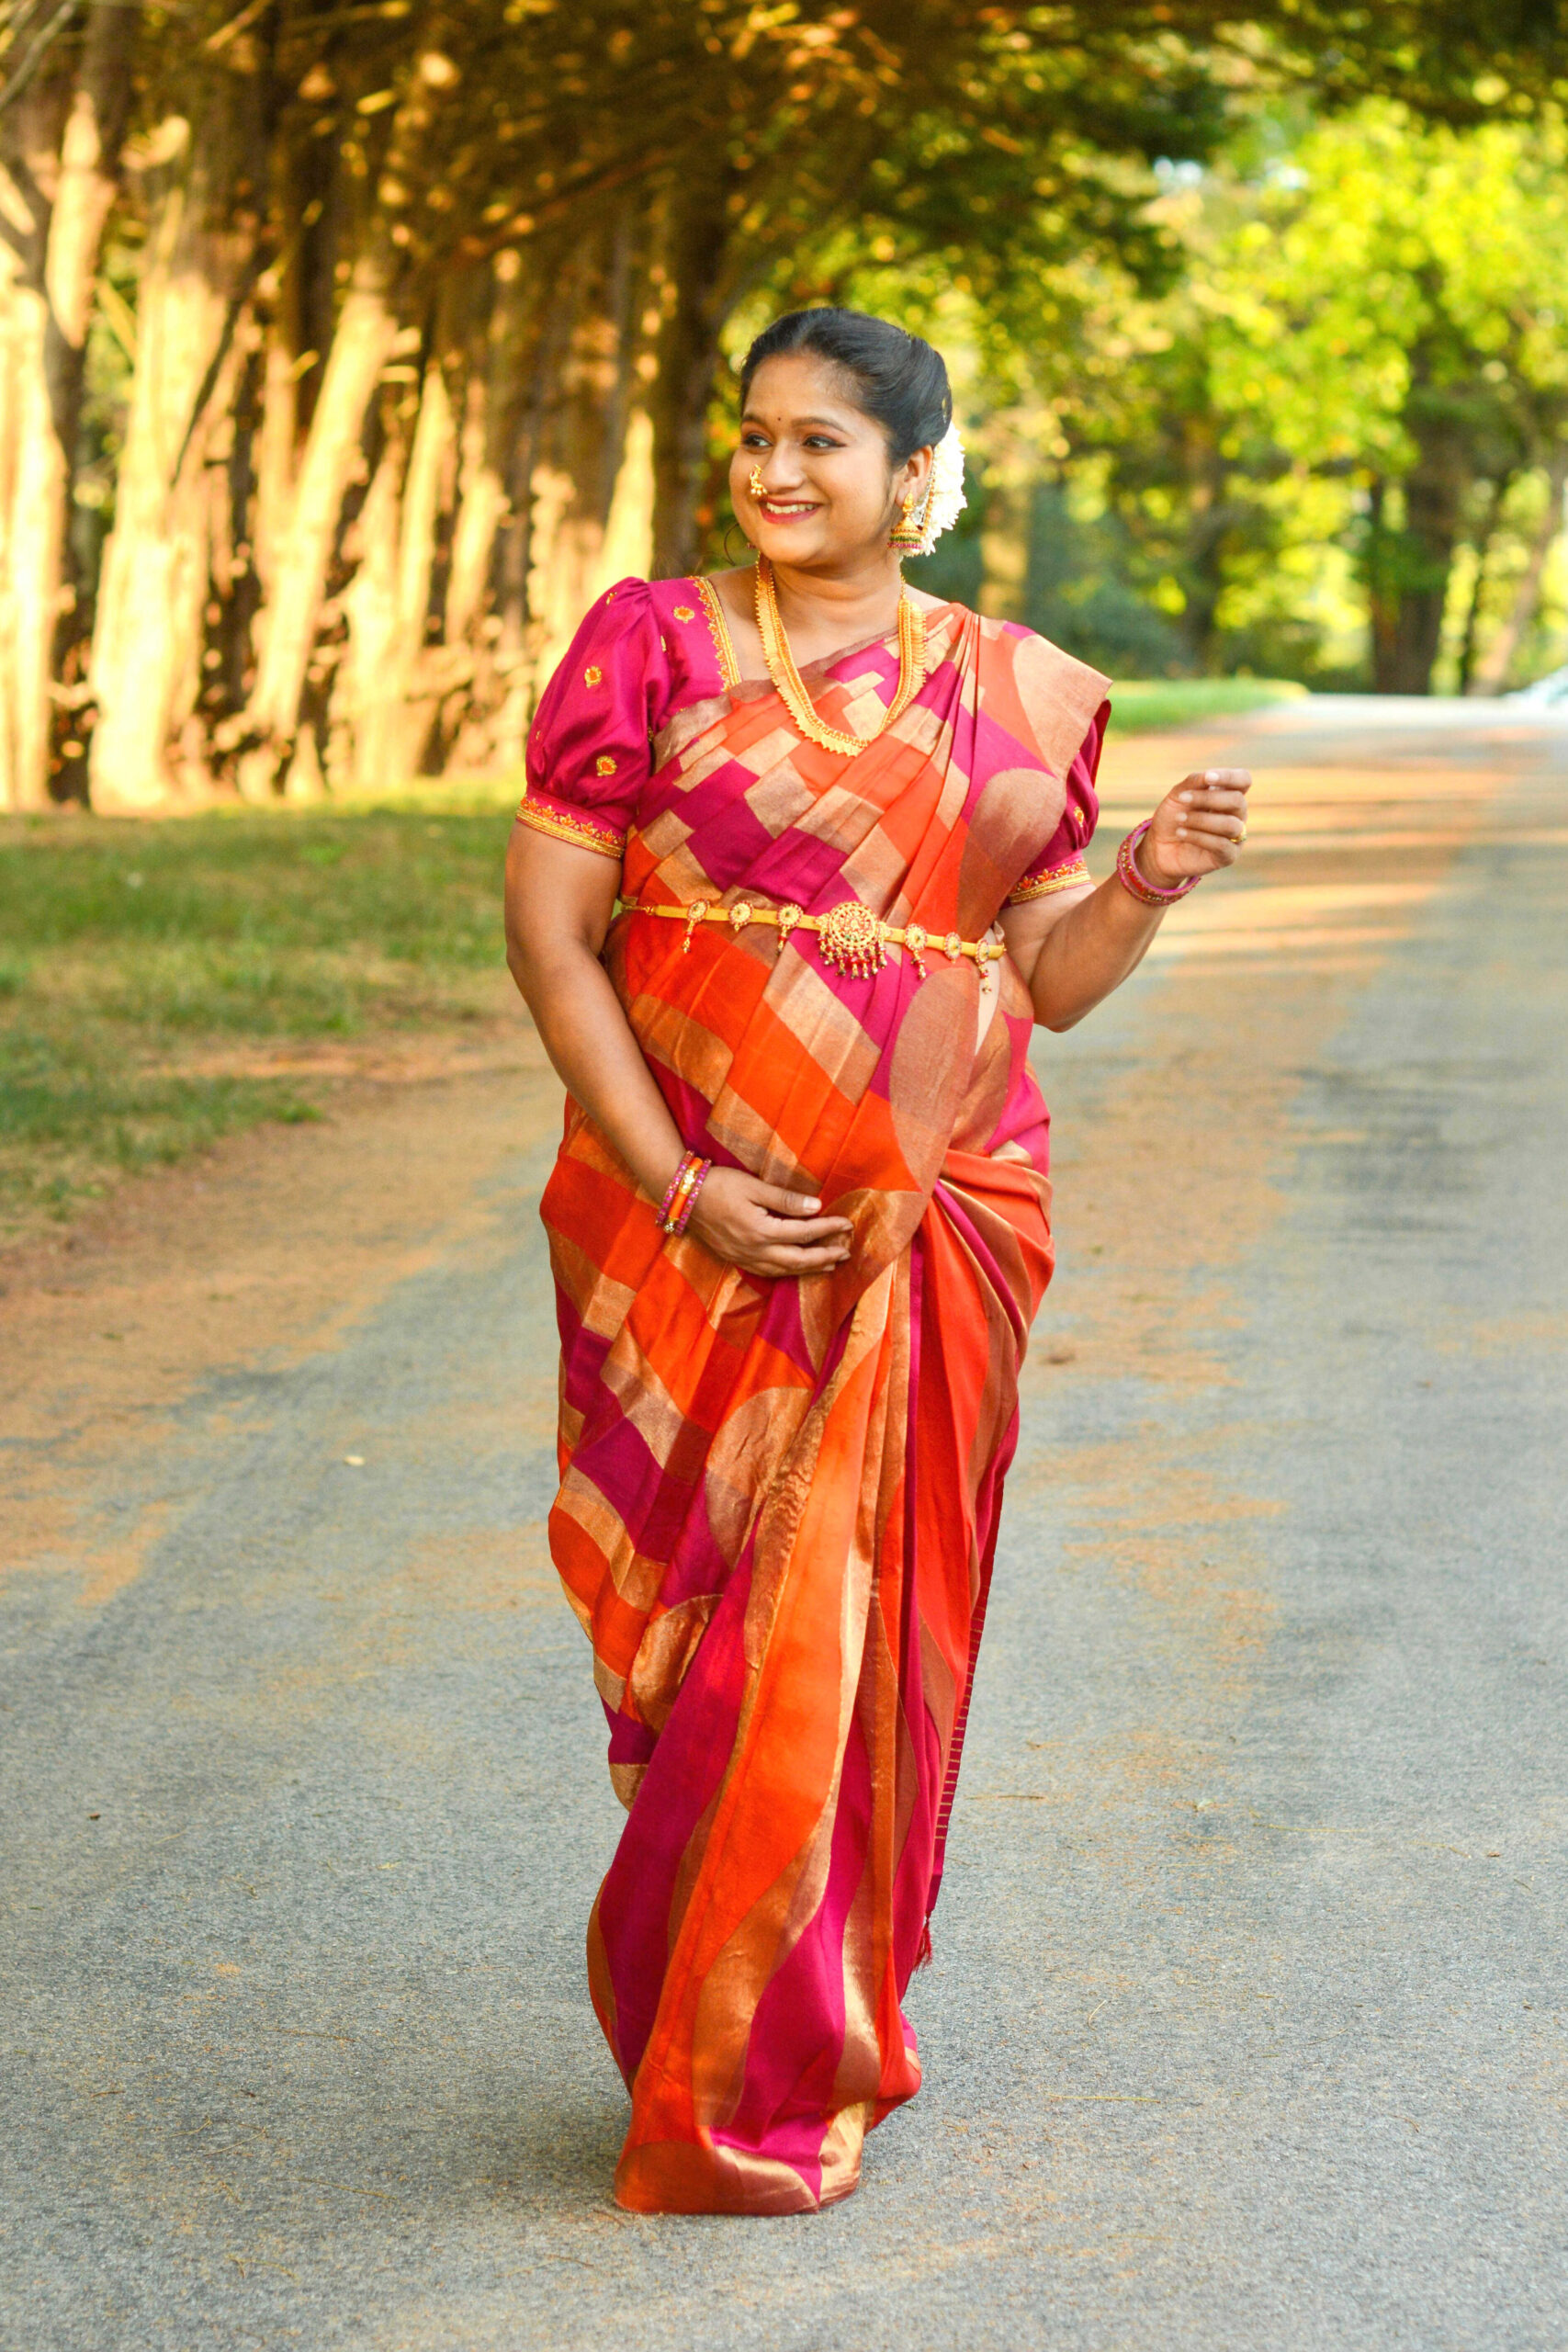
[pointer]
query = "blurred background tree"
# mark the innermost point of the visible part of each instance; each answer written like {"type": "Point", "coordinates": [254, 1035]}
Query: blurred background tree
{"type": "Point", "coordinates": [347, 348]}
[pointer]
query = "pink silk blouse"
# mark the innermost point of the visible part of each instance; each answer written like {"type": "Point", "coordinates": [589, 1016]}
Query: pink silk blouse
{"type": "Point", "coordinates": [648, 648]}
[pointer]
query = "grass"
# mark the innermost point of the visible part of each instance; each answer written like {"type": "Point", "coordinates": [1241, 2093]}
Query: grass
{"type": "Point", "coordinates": [143, 964]}
{"type": "Point", "coordinates": [1138, 706]}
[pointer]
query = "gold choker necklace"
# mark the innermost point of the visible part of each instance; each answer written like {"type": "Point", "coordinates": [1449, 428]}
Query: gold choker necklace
{"type": "Point", "coordinates": [791, 685]}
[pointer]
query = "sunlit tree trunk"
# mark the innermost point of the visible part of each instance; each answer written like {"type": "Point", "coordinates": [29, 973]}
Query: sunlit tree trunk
{"type": "Point", "coordinates": [628, 531]}
{"type": "Point", "coordinates": [149, 641]}
{"type": "Point", "coordinates": [362, 346]}
{"type": "Point", "coordinates": [32, 477]}
{"type": "Point", "coordinates": [538, 327]}
{"type": "Point", "coordinates": [574, 480]}
{"type": "Point", "coordinates": [59, 166]}
{"type": "Point", "coordinates": [384, 693]}
{"type": "Point", "coordinates": [482, 503]}
{"type": "Point", "coordinates": [305, 522]}
{"type": "Point", "coordinates": [487, 630]}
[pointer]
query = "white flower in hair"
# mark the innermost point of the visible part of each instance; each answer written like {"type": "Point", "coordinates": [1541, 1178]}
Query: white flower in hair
{"type": "Point", "coordinates": [944, 499]}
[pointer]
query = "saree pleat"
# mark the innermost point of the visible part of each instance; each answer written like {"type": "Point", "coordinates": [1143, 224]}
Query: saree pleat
{"type": "Point", "coordinates": [779, 1500]}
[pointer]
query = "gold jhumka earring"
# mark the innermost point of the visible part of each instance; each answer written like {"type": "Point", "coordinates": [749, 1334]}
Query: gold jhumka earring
{"type": "Point", "coordinates": [755, 485]}
{"type": "Point", "coordinates": [908, 532]}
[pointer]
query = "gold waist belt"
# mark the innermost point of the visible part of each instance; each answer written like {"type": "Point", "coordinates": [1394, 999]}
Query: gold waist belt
{"type": "Point", "coordinates": [853, 940]}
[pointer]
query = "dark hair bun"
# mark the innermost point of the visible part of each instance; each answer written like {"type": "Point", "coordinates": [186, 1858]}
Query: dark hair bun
{"type": "Point", "coordinates": [899, 378]}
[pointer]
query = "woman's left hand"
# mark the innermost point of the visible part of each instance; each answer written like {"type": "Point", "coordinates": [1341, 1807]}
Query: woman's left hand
{"type": "Point", "coordinates": [1198, 827]}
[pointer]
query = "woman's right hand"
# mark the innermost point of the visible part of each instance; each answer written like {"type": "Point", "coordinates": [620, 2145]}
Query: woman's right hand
{"type": "Point", "coordinates": [765, 1230]}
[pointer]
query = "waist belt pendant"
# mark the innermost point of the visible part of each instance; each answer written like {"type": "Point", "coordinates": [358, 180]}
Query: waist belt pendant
{"type": "Point", "coordinates": [850, 940]}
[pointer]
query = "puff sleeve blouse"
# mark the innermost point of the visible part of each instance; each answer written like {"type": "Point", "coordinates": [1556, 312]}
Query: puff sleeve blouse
{"type": "Point", "coordinates": [643, 650]}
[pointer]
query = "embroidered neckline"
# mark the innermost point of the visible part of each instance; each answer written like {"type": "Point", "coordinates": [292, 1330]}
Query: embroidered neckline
{"type": "Point", "coordinates": [718, 629]}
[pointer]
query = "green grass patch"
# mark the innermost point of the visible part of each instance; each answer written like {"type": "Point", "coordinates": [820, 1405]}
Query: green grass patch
{"type": "Point", "coordinates": [131, 951]}
{"type": "Point", "coordinates": [1140, 705]}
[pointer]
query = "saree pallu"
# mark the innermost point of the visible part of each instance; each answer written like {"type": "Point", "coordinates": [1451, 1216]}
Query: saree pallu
{"type": "Point", "coordinates": [779, 1500]}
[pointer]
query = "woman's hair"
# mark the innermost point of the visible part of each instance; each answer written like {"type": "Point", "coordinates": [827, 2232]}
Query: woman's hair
{"type": "Point", "coordinates": [898, 378]}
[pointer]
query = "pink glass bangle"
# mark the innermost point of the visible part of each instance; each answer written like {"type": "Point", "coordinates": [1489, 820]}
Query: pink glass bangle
{"type": "Point", "coordinates": [1149, 894]}
{"type": "Point", "coordinates": [688, 1160]}
{"type": "Point", "coordinates": [676, 1206]}
{"type": "Point", "coordinates": [682, 1214]}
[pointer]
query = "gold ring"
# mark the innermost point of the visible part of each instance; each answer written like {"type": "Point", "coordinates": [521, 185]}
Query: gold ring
{"type": "Point", "coordinates": [756, 485]}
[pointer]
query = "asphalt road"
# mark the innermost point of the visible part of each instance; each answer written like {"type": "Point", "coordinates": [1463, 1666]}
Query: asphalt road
{"type": "Point", "coordinates": [1246, 2028]}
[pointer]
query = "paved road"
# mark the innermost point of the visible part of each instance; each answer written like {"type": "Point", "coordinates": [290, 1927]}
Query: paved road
{"type": "Point", "coordinates": [1246, 2026]}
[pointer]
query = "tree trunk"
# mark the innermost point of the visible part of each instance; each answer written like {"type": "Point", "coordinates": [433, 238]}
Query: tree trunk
{"type": "Point", "coordinates": [362, 346]}
{"type": "Point", "coordinates": [1492, 670]}
{"type": "Point", "coordinates": [482, 503]}
{"type": "Point", "coordinates": [1483, 539]}
{"type": "Point", "coordinates": [11, 379]}
{"type": "Point", "coordinates": [696, 299]}
{"type": "Point", "coordinates": [514, 358]}
{"type": "Point", "coordinates": [1408, 569]}
{"type": "Point", "coordinates": [276, 452]}
{"type": "Point", "coordinates": [362, 708]}
{"type": "Point", "coordinates": [1004, 550]}
{"type": "Point", "coordinates": [1211, 517]}
{"type": "Point", "coordinates": [148, 644]}
{"type": "Point", "coordinates": [59, 175]}
{"type": "Point", "coordinates": [574, 483]}
{"type": "Point", "coordinates": [32, 487]}
{"type": "Point", "coordinates": [383, 693]}
{"type": "Point", "coordinates": [629, 528]}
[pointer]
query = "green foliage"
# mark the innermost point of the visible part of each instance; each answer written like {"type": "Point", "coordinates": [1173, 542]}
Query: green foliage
{"type": "Point", "coordinates": [1314, 451]}
{"type": "Point", "coordinates": [1086, 587]}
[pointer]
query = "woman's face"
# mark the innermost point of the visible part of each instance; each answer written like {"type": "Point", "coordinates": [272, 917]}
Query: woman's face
{"type": "Point", "coordinates": [830, 492]}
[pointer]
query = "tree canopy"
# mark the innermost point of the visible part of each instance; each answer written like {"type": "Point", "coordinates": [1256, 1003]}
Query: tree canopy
{"type": "Point", "coordinates": [346, 349]}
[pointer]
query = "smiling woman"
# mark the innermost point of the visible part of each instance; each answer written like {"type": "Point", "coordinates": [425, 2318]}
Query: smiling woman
{"type": "Point", "coordinates": [799, 865]}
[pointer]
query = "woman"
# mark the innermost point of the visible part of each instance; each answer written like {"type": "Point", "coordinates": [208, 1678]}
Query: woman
{"type": "Point", "coordinates": [799, 863]}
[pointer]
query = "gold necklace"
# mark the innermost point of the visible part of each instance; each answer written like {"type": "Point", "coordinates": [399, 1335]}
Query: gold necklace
{"type": "Point", "coordinates": [791, 685]}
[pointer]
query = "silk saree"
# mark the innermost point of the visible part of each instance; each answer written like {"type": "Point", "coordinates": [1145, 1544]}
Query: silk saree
{"type": "Point", "coordinates": [779, 1500]}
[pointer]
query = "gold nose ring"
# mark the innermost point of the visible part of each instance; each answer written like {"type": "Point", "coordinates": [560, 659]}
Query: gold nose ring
{"type": "Point", "coordinates": [755, 485]}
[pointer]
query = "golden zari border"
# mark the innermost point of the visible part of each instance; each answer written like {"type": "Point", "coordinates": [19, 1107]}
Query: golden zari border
{"type": "Point", "coordinates": [1044, 885]}
{"type": "Point", "coordinates": [576, 829]}
{"type": "Point", "coordinates": [718, 629]}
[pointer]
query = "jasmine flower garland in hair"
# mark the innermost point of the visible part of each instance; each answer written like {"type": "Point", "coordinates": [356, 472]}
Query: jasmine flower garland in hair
{"type": "Point", "coordinates": [944, 501]}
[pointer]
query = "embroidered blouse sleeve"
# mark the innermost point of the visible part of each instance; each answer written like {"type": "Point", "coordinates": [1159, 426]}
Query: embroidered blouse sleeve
{"type": "Point", "coordinates": [589, 748]}
{"type": "Point", "coordinates": [1060, 864]}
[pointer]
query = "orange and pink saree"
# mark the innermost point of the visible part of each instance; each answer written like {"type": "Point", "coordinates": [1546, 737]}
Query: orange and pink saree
{"type": "Point", "coordinates": [779, 1500]}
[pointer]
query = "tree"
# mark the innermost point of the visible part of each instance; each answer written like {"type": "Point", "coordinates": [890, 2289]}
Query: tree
{"type": "Point", "coordinates": [1411, 327]}
{"type": "Point", "coordinates": [62, 115]}
{"type": "Point", "coordinates": [1359, 368]}
{"type": "Point", "coordinates": [426, 300]}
